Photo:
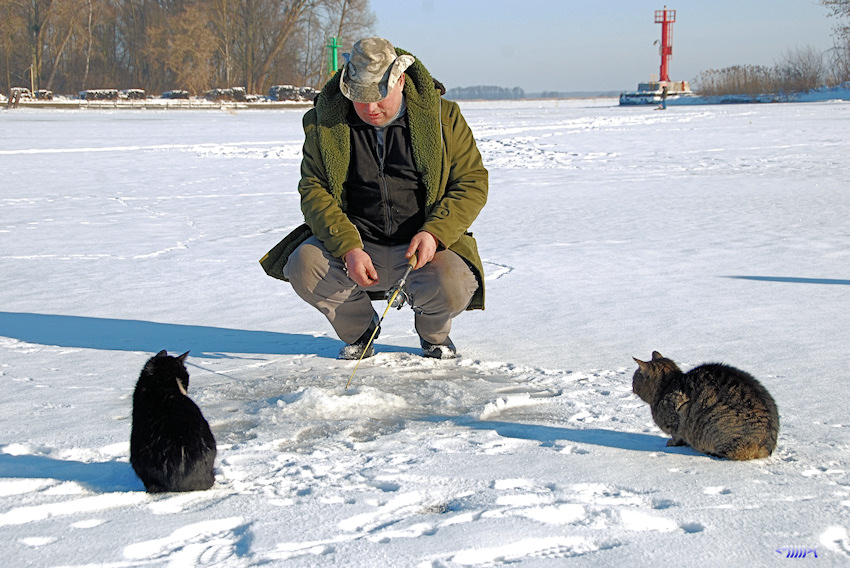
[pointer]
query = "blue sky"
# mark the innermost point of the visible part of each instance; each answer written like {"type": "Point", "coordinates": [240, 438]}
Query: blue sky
{"type": "Point", "coordinates": [593, 45]}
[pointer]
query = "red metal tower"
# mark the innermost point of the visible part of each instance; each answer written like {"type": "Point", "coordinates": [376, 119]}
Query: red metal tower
{"type": "Point", "coordinates": [666, 18]}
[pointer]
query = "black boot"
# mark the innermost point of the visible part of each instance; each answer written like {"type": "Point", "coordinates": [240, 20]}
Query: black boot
{"type": "Point", "coordinates": [444, 350]}
{"type": "Point", "coordinates": [355, 351]}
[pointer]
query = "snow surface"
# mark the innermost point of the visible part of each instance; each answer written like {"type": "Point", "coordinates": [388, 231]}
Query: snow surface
{"type": "Point", "coordinates": [714, 233]}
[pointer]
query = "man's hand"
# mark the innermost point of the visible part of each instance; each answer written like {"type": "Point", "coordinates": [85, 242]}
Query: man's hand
{"type": "Point", "coordinates": [360, 268]}
{"type": "Point", "coordinates": [424, 244]}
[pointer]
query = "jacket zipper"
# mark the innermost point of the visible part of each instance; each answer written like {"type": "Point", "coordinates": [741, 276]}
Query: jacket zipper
{"type": "Point", "coordinates": [385, 190]}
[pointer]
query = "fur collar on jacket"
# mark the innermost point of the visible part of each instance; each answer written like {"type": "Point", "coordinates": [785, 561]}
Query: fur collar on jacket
{"type": "Point", "coordinates": [423, 109]}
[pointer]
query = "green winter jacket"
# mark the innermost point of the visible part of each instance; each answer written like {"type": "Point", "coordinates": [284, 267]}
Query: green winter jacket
{"type": "Point", "coordinates": [444, 153]}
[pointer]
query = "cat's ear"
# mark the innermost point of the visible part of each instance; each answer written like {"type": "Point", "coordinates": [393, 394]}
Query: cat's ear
{"type": "Point", "coordinates": [641, 364]}
{"type": "Point", "coordinates": [162, 353]}
{"type": "Point", "coordinates": [183, 357]}
{"type": "Point", "coordinates": [657, 355]}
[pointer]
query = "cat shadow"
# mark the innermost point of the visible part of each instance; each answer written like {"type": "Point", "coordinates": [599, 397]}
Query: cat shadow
{"type": "Point", "coordinates": [548, 435]}
{"type": "Point", "coordinates": [151, 337]}
{"type": "Point", "coordinates": [100, 477]}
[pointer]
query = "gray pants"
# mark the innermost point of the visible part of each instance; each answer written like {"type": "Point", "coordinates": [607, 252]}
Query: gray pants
{"type": "Point", "coordinates": [438, 291]}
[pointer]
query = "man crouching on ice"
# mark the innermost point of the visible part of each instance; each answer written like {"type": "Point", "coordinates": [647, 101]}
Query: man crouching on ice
{"type": "Point", "coordinates": [390, 169]}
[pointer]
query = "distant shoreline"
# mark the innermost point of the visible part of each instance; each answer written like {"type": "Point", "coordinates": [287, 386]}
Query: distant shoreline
{"type": "Point", "coordinates": [576, 98]}
{"type": "Point", "coordinates": [156, 104]}
{"type": "Point", "coordinates": [203, 104]}
{"type": "Point", "coordinates": [841, 93]}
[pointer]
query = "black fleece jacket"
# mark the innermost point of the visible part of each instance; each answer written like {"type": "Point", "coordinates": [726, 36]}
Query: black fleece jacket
{"type": "Point", "coordinates": [386, 197]}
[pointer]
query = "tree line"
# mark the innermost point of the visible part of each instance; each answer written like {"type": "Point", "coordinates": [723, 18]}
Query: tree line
{"type": "Point", "coordinates": [68, 46]}
{"type": "Point", "coordinates": [486, 92]}
{"type": "Point", "coordinates": [798, 70]}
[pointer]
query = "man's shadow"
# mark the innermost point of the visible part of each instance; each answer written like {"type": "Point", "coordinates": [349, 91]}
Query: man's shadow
{"type": "Point", "coordinates": [151, 337]}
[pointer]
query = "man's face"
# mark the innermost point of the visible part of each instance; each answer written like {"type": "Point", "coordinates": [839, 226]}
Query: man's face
{"type": "Point", "coordinates": [379, 113]}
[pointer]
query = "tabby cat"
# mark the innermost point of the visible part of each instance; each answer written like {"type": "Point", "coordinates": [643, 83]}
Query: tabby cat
{"type": "Point", "coordinates": [715, 409]}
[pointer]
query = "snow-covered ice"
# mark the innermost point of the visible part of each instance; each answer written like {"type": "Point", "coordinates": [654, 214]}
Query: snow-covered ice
{"type": "Point", "coordinates": [713, 233]}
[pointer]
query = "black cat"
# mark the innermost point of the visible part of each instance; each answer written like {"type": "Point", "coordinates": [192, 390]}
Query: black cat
{"type": "Point", "coordinates": [171, 445]}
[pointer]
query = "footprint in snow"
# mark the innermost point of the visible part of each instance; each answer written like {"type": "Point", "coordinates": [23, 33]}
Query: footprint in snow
{"type": "Point", "coordinates": [395, 510]}
{"type": "Point", "coordinates": [837, 540]}
{"type": "Point", "coordinates": [208, 543]}
{"type": "Point", "coordinates": [528, 548]}
{"type": "Point", "coordinates": [596, 506]}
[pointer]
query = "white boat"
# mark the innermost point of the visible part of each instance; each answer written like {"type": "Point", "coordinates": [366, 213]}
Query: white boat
{"type": "Point", "coordinates": [654, 93]}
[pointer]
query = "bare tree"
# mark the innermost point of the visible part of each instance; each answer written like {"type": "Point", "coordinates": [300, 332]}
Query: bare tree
{"type": "Point", "coordinates": [838, 8]}
{"type": "Point", "coordinates": [184, 44]}
{"type": "Point", "coordinates": [11, 30]}
{"type": "Point", "coordinates": [267, 25]}
{"type": "Point", "coordinates": [347, 20]}
{"type": "Point", "coordinates": [224, 20]}
{"type": "Point", "coordinates": [839, 68]}
{"type": "Point", "coordinates": [36, 35]}
{"type": "Point", "coordinates": [67, 22]}
{"type": "Point", "coordinates": [800, 70]}
{"type": "Point", "coordinates": [35, 15]}
{"type": "Point", "coordinates": [840, 65]}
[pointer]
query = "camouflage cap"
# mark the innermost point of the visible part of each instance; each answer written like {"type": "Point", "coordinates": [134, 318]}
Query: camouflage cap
{"type": "Point", "coordinates": [371, 70]}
